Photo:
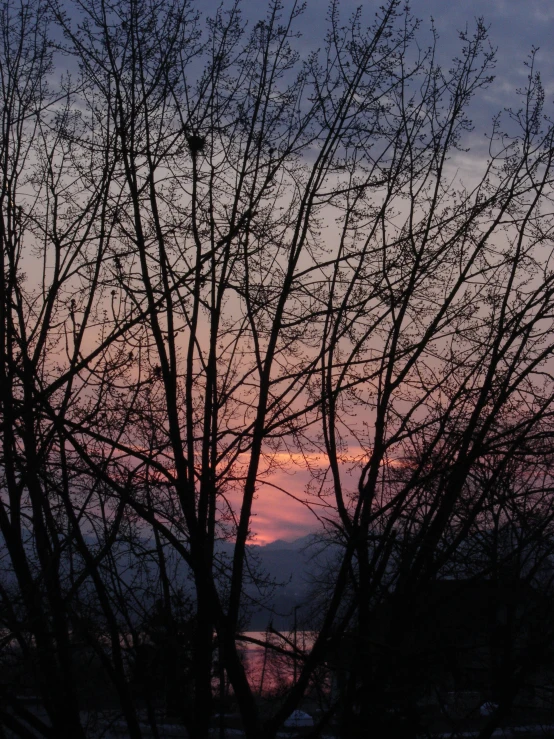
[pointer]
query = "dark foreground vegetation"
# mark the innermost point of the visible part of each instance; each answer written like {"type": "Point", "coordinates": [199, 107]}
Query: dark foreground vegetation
{"type": "Point", "coordinates": [228, 254]}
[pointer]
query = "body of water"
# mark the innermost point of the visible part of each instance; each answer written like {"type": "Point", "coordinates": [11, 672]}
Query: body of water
{"type": "Point", "coordinates": [272, 668]}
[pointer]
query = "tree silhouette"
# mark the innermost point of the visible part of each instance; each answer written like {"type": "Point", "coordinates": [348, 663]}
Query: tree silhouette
{"type": "Point", "coordinates": [223, 256]}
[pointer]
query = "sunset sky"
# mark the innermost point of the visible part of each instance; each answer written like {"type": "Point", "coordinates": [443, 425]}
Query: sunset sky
{"type": "Point", "coordinates": [515, 27]}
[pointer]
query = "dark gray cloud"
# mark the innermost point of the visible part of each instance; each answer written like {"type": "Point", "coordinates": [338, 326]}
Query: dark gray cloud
{"type": "Point", "coordinates": [515, 28]}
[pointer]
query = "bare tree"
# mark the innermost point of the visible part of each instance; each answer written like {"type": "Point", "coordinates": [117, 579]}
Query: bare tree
{"type": "Point", "coordinates": [248, 255]}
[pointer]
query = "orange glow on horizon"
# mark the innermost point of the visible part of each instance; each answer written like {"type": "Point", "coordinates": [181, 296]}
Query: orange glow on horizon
{"type": "Point", "coordinates": [283, 509]}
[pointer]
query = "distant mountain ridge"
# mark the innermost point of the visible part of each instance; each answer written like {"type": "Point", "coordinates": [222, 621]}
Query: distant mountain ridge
{"type": "Point", "coordinates": [295, 544]}
{"type": "Point", "coordinates": [292, 565]}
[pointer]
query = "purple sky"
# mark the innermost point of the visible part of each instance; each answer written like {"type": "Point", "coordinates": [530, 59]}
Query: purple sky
{"type": "Point", "coordinates": [515, 27]}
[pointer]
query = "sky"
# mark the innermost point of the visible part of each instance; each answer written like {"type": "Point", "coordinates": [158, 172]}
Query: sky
{"type": "Point", "coordinates": [515, 27]}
